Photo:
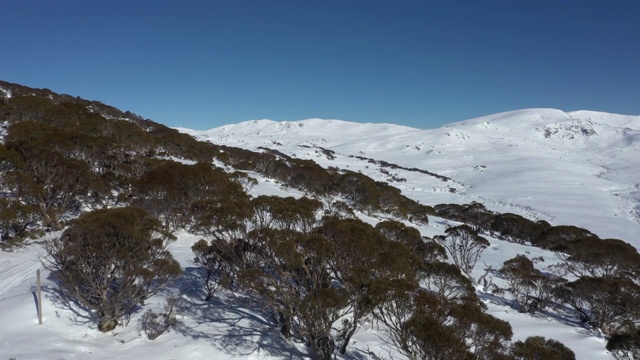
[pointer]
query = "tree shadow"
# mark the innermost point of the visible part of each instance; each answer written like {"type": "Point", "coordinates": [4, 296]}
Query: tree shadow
{"type": "Point", "coordinates": [230, 323]}
{"type": "Point", "coordinates": [565, 315]}
{"type": "Point", "coordinates": [79, 314]}
{"type": "Point", "coordinates": [360, 354]}
{"type": "Point", "coordinates": [495, 299]}
{"type": "Point", "coordinates": [34, 292]}
{"type": "Point", "coordinates": [190, 284]}
{"type": "Point", "coordinates": [233, 327]}
{"type": "Point", "coordinates": [557, 312]}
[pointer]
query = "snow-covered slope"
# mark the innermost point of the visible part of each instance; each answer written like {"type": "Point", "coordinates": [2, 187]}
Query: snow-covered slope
{"type": "Point", "coordinates": [580, 168]}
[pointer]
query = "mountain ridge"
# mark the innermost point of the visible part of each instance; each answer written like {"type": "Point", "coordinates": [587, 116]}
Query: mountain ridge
{"type": "Point", "coordinates": [535, 162]}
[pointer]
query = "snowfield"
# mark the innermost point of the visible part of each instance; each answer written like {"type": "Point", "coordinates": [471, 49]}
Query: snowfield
{"type": "Point", "coordinates": [580, 168]}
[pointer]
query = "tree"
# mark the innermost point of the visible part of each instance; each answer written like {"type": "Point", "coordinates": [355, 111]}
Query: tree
{"type": "Point", "coordinates": [515, 228]}
{"type": "Point", "coordinates": [486, 336]}
{"type": "Point", "coordinates": [366, 264]}
{"type": "Point", "coordinates": [215, 264]}
{"type": "Point", "coordinates": [422, 325]}
{"type": "Point", "coordinates": [51, 182]}
{"type": "Point", "coordinates": [292, 280]}
{"type": "Point", "coordinates": [447, 282]}
{"type": "Point", "coordinates": [625, 345]}
{"type": "Point", "coordinates": [476, 215]}
{"type": "Point", "coordinates": [171, 189]}
{"type": "Point", "coordinates": [15, 219]}
{"type": "Point", "coordinates": [464, 246]}
{"type": "Point", "coordinates": [285, 213]}
{"type": "Point", "coordinates": [28, 108]}
{"type": "Point", "coordinates": [600, 258]}
{"type": "Point", "coordinates": [111, 261]}
{"type": "Point", "coordinates": [537, 347]}
{"type": "Point", "coordinates": [603, 303]}
{"type": "Point", "coordinates": [9, 162]}
{"type": "Point", "coordinates": [426, 249]}
{"type": "Point", "coordinates": [531, 289]}
{"type": "Point", "coordinates": [561, 238]}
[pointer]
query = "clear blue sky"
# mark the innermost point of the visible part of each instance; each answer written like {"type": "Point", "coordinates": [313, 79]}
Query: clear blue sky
{"type": "Point", "coordinates": [202, 64]}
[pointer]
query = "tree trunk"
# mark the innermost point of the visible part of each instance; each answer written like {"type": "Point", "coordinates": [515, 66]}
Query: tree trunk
{"type": "Point", "coordinates": [323, 347]}
{"type": "Point", "coordinates": [285, 328]}
{"type": "Point", "coordinates": [347, 337]}
{"type": "Point", "coordinates": [107, 323]}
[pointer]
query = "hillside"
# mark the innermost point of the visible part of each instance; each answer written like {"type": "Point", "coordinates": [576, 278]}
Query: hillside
{"type": "Point", "coordinates": [316, 238]}
{"type": "Point", "coordinates": [540, 163]}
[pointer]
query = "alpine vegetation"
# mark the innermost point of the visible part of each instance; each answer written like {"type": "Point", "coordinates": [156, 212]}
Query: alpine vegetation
{"type": "Point", "coordinates": [512, 236]}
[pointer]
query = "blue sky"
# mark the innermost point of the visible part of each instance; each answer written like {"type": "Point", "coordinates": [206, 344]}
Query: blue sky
{"type": "Point", "coordinates": [203, 64]}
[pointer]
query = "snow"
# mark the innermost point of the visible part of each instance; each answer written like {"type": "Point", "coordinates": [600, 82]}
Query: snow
{"type": "Point", "coordinates": [5, 93]}
{"type": "Point", "coordinates": [3, 131]}
{"type": "Point", "coordinates": [502, 160]}
{"type": "Point", "coordinates": [580, 168]}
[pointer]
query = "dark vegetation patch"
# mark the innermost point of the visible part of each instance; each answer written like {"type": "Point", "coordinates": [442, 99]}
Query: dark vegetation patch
{"type": "Point", "coordinates": [389, 165]}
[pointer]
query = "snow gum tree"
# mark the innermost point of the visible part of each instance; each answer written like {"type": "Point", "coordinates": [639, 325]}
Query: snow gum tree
{"type": "Point", "coordinates": [538, 347]}
{"type": "Point", "coordinates": [531, 289]}
{"type": "Point", "coordinates": [421, 325]}
{"type": "Point", "coordinates": [603, 303]}
{"type": "Point", "coordinates": [111, 261]}
{"type": "Point", "coordinates": [366, 264]}
{"type": "Point", "coordinates": [600, 258]}
{"type": "Point", "coordinates": [464, 246]}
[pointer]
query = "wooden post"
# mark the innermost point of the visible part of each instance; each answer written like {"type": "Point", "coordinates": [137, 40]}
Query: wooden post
{"type": "Point", "coordinates": [39, 290]}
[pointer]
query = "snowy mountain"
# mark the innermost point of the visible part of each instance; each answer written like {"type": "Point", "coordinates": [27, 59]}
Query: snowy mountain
{"type": "Point", "coordinates": [580, 168]}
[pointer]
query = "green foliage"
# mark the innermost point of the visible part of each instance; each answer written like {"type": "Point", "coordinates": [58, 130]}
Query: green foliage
{"type": "Point", "coordinates": [464, 246]}
{"type": "Point", "coordinates": [285, 212]}
{"type": "Point", "coordinates": [601, 258]}
{"type": "Point", "coordinates": [625, 345]}
{"type": "Point", "coordinates": [367, 264]}
{"type": "Point", "coordinates": [603, 303]}
{"type": "Point", "coordinates": [15, 220]}
{"type": "Point", "coordinates": [216, 263]}
{"type": "Point", "coordinates": [9, 161]}
{"type": "Point", "coordinates": [360, 191]}
{"type": "Point", "coordinates": [537, 347]}
{"type": "Point", "coordinates": [531, 289]}
{"type": "Point", "coordinates": [515, 228]}
{"type": "Point", "coordinates": [50, 181]}
{"type": "Point", "coordinates": [28, 108]}
{"type": "Point", "coordinates": [424, 326]}
{"type": "Point", "coordinates": [560, 238]}
{"type": "Point", "coordinates": [445, 281]}
{"type": "Point", "coordinates": [474, 214]}
{"type": "Point", "coordinates": [112, 260]}
{"type": "Point", "coordinates": [309, 274]}
{"type": "Point", "coordinates": [293, 281]}
{"type": "Point", "coordinates": [426, 249]}
{"type": "Point", "coordinates": [174, 191]}
{"type": "Point", "coordinates": [154, 324]}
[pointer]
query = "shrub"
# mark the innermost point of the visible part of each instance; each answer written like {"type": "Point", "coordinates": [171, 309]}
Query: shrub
{"type": "Point", "coordinates": [537, 347]}
{"type": "Point", "coordinates": [154, 324]}
{"type": "Point", "coordinates": [111, 261]}
{"type": "Point", "coordinates": [531, 289]}
{"type": "Point", "coordinates": [600, 258]}
{"type": "Point", "coordinates": [464, 246]}
{"type": "Point", "coordinates": [625, 345]}
{"type": "Point", "coordinates": [603, 303]}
